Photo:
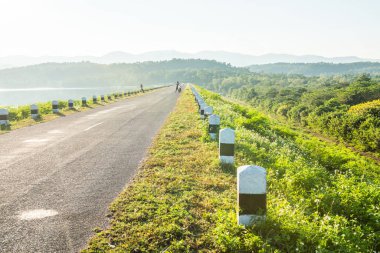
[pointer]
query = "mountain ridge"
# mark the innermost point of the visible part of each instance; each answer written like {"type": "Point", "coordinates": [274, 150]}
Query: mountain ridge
{"type": "Point", "coordinates": [235, 59]}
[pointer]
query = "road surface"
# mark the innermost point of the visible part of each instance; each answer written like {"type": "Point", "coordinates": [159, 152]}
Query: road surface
{"type": "Point", "coordinates": [58, 178]}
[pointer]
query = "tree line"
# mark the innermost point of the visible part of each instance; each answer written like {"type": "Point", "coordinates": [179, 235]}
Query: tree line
{"type": "Point", "coordinates": [345, 107]}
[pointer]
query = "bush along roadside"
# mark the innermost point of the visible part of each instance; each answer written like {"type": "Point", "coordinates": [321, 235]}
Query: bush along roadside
{"type": "Point", "coordinates": [322, 197]}
{"type": "Point", "coordinates": [21, 116]}
{"type": "Point", "coordinates": [183, 200]}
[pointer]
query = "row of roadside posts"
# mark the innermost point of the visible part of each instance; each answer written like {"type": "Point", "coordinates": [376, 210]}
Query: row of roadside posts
{"type": "Point", "coordinates": [251, 179]}
{"type": "Point", "coordinates": [34, 110]}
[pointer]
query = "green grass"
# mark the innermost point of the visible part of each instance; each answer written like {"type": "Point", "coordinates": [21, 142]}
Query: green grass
{"type": "Point", "coordinates": [20, 116]}
{"type": "Point", "coordinates": [322, 197]}
{"type": "Point", "coordinates": [171, 203]}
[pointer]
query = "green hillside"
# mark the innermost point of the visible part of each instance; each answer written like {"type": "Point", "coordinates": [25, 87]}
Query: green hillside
{"type": "Point", "coordinates": [88, 74]}
{"type": "Point", "coordinates": [321, 104]}
{"type": "Point", "coordinates": [316, 69]}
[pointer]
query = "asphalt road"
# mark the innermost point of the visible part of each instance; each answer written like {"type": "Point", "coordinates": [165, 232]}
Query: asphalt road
{"type": "Point", "coordinates": [58, 178]}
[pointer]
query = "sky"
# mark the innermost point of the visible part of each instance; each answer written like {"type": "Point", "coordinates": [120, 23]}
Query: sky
{"type": "Point", "coordinates": [96, 27]}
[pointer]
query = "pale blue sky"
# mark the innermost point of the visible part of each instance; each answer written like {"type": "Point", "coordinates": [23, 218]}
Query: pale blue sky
{"type": "Point", "coordinates": [95, 27]}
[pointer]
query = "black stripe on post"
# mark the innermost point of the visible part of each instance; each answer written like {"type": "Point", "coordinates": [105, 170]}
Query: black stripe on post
{"type": "Point", "coordinates": [71, 105]}
{"type": "Point", "coordinates": [252, 203]}
{"type": "Point", "coordinates": [227, 149]}
{"type": "Point", "coordinates": [34, 111]}
{"type": "Point", "coordinates": [213, 129]}
{"type": "Point", "coordinates": [3, 117]}
{"type": "Point", "coordinates": [55, 107]}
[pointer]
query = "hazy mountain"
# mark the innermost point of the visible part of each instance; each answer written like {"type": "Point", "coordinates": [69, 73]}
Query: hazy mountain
{"type": "Point", "coordinates": [316, 69]}
{"type": "Point", "coordinates": [235, 59]}
{"type": "Point", "coordinates": [87, 74]}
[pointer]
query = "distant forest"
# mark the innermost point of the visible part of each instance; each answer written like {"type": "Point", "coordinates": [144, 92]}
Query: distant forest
{"type": "Point", "coordinates": [346, 107]}
{"type": "Point", "coordinates": [86, 74]}
{"type": "Point", "coordinates": [316, 69]}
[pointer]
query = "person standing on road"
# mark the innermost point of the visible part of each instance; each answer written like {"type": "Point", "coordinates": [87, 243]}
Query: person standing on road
{"type": "Point", "coordinates": [142, 88]}
{"type": "Point", "coordinates": [180, 88]}
{"type": "Point", "coordinates": [177, 86]}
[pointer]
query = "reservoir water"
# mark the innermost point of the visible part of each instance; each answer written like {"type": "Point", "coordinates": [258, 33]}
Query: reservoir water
{"type": "Point", "coordinates": [15, 97]}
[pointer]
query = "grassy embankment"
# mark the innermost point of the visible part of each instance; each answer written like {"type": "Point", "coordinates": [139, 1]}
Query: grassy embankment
{"type": "Point", "coordinates": [321, 197]}
{"type": "Point", "coordinates": [20, 116]}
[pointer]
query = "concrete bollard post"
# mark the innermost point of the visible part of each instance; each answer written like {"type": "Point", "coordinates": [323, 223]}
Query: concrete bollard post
{"type": "Point", "coordinates": [94, 99]}
{"type": "Point", "coordinates": [34, 111]}
{"type": "Point", "coordinates": [208, 111]}
{"type": "Point", "coordinates": [252, 198]}
{"type": "Point", "coordinates": [102, 98]}
{"type": "Point", "coordinates": [227, 145]}
{"type": "Point", "coordinates": [71, 104]}
{"type": "Point", "coordinates": [213, 125]}
{"type": "Point", "coordinates": [54, 106]}
{"type": "Point", "coordinates": [4, 117]}
{"type": "Point", "coordinates": [109, 97]}
{"type": "Point", "coordinates": [125, 94]}
{"type": "Point", "coordinates": [84, 101]}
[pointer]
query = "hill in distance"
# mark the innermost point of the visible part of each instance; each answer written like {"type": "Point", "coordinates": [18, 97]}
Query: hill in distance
{"type": "Point", "coordinates": [87, 74]}
{"type": "Point", "coordinates": [236, 59]}
{"type": "Point", "coordinates": [316, 69]}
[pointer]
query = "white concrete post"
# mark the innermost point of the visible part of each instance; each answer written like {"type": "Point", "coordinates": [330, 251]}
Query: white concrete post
{"type": "Point", "coordinates": [208, 111]}
{"type": "Point", "coordinates": [34, 111]}
{"type": "Point", "coordinates": [84, 101]}
{"type": "Point", "coordinates": [251, 188]}
{"type": "Point", "coordinates": [94, 99]}
{"type": "Point", "coordinates": [213, 125]}
{"type": "Point", "coordinates": [54, 106]}
{"type": "Point", "coordinates": [4, 117]}
{"type": "Point", "coordinates": [227, 145]}
{"type": "Point", "coordinates": [71, 104]}
{"type": "Point", "coordinates": [102, 98]}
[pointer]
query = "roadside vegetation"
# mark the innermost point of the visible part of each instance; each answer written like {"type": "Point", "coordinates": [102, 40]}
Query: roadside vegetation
{"type": "Point", "coordinates": [20, 116]}
{"type": "Point", "coordinates": [345, 108]}
{"type": "Point", "coordinates": [322, 197]}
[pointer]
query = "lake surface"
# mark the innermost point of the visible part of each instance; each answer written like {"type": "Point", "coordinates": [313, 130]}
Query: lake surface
{"type": "Point", "coordinates": [15, 97]}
